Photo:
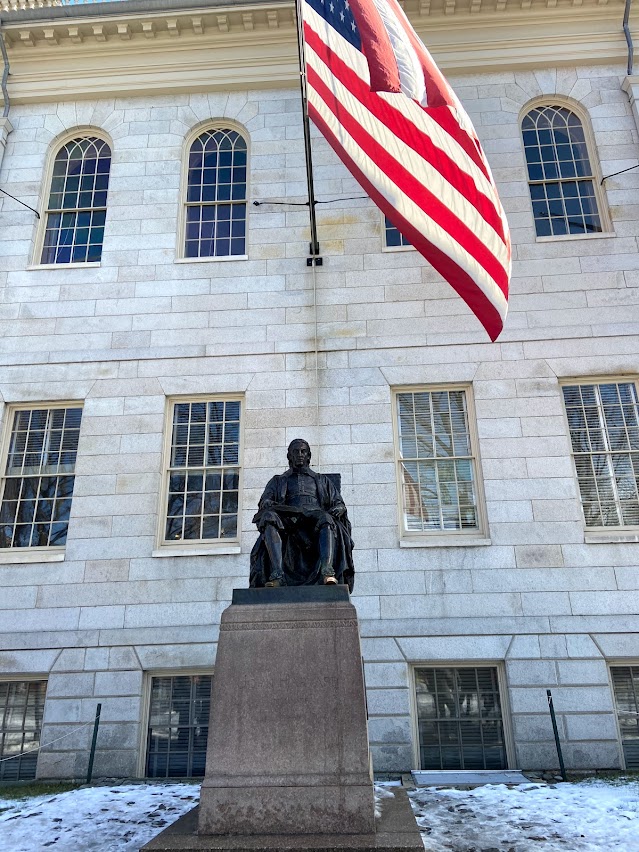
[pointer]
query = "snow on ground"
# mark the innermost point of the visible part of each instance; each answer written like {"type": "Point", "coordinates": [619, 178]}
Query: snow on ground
{"type": "Point", "coordinates": [592, 816]}
{"type": "Point", "coordinates": [93, 819]}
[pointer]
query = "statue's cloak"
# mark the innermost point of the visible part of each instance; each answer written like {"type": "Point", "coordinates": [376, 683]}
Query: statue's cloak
{"type": "Point", "coordinates": [300, 555]}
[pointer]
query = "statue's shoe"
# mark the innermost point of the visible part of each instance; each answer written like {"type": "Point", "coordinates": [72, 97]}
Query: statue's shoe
{"type": "Point", "coordinates": [330, 581]}
{"type": "Point", "coordinates": [273, 584]}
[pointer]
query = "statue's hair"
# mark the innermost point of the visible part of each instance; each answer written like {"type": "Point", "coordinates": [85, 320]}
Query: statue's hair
{"type": "Point", "coordinates": [298, 441]}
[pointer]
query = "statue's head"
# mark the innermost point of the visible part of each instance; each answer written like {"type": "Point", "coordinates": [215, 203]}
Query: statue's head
{"type": "Point", "coordinates": [299, 453]}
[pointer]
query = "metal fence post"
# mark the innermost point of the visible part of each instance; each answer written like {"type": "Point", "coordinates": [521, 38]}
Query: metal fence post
{"type": "Point", "coordinates": [556, 733]}
{"type": "Point", "coordinates": [96, 725]}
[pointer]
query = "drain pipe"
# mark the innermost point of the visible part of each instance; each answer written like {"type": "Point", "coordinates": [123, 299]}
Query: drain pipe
{"type": "Point", "coordinates": [5, 74]}
{"type": "Point", "coordinates": [626, 31]}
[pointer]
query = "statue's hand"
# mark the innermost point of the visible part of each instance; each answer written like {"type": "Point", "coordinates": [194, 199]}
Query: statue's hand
{"type": "Point", "coordinates": [337, 511]}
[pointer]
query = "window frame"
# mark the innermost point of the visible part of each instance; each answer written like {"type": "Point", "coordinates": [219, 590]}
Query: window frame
{"type": "Point", "coordinates": [197, 547]}
{"type": "Point", "coordinates": [37, 553]}
{"type": "Point", "coordinates": [442, 538]}
{"type": "Point", "coordinates": [55, 147]}
{"type": "Point", "coordinates": [591, 146]}
{"type": "Point", "coordinates": [147, 679]}
{"type": "Point", "coordinates": [189, 139]}
{"type": "Point", "coordinates": [619, 662]}
{"type": "Point", "coordinates": [598, 534]}
{"type": "Point", "coordinates": [385, 246]}
{"type": "Point", "coordinates": [502, 682]}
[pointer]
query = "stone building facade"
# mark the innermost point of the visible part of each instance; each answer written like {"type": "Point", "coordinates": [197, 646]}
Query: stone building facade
{"type": "Point", "coordinates": [525, 597]}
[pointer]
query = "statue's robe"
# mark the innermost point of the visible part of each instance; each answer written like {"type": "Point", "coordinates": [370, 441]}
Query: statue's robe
{"type": "Point", "coordinates": [299, 534]}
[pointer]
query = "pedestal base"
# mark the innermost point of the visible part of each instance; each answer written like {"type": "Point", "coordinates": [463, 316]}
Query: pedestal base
{"type": "Point", "coordinates": [396, 832]}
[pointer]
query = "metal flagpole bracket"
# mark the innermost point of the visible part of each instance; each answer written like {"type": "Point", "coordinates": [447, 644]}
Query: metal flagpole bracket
{"type": "Point", "coordinates": [314, 258]}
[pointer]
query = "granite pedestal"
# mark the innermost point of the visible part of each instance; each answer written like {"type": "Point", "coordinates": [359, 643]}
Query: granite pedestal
{"type": "Point", "coordinates": [288, 763]}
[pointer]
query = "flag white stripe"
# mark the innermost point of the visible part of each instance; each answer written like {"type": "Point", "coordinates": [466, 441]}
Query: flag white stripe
{"type": "Point", "coordinates": [407, 157]}
{"type": "Point", "coordinates": [411, 73]}
{"type": "Point", "coordinates": [424, 124]}
{"type": "Point", "coordinates": [410, 211]}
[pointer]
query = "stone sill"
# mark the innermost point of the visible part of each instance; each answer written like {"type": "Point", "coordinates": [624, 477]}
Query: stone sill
{"type": "Point", "coordinates": [458, 541]}
{"type": "Point", "coordinates": [11, 557]}
{"type": "Point", "coordinates": [398, 248]}
{"type": "Point", "coordinates": [605, 235]}
{"type": "Point", "coordinates": [611, 537]}
{"type": "Point", "coordinates": [220, 259]}
{"type": "Point", "coordinates": [91, 265]}
{"type": "Point", "coordinates": [222, 550]}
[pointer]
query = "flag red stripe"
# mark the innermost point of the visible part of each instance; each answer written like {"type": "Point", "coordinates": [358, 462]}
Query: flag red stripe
{"type": "Point", "coordinates": [411, 186]}
{"type": "Point", "coordinates": [438, 92]}
{"type": "Point", "coordinates": [457, 277]}
{"type": "Point", "coordinates": [412, 136]}
{"type": "Point", "coordinates": [376, 47]}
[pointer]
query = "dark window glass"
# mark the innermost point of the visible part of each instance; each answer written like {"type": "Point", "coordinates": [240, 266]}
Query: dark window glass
{"type": "Point", "coordinates": [216, 195]}
{"type": "Point", "coordinates": [21, 710]}
{"type": "Point", "coordinates": [392, 236]}
{"type": "Point", "coordinates": [178, 726]}
{"type": "Point", "coordinates": [559, 173]}
{"type": "Point", "coordinates": [39, 477]}
{"type": "Point", "coordinates": [625, 683]}
{"type": "Point", "coordinates": [203, 476]}
{"type": "Point", "coordinates": [459, 718]}
{"type": "Point", "coordinates": [76, 211]}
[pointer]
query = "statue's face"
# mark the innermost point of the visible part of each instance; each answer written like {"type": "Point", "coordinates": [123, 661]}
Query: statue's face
{"type": "Point", "coordinates": [299, 454]}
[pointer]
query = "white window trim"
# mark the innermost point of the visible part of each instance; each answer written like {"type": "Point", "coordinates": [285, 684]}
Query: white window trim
{"type": "Point", "coordinates": [198, 547]}
{"type": "Point", "coordinates": [17, 555]}
{"type": "Point", "coordinates": [440, 538]}
{"type": "Point", "coordinates": [597, 535]}
{"type": "Point", "coordinates": [509, 740]}
{"type": "Point", "coordinates": [59, 142]}
{"type": "Point", "coordinates": [148, 675]}
{"type": "Point", "coordinates": [198, 130]}
{"type": "Point", "coordinates": [593, 154]}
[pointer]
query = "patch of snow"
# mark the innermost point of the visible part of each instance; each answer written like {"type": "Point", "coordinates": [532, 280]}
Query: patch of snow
{"type": "Point", "coordinates": [590, 816]}
{"type": "Point", "coordinates": [94, 819]}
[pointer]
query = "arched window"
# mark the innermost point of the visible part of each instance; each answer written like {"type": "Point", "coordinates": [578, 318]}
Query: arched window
{"type": "Point", "coordinates": [563, 186]}
{"type": "Point", "coordinates": [216, 195]}
{"type": "Point", "coordinates": [76, 210]}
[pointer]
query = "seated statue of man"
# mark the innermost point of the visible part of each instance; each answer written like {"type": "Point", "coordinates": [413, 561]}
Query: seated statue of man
{"type": "Point", "coordinates": [305, 535]}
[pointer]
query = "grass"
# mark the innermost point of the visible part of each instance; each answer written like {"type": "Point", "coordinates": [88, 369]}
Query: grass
{"type": "Point", "coordinates": [36, 788]}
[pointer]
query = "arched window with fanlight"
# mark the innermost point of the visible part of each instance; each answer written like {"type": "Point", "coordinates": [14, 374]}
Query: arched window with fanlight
{"type": "Point", "coordinates": [77, 202]}
{"type": "Point", "coordinates": [215, 212]}
{"type": "Point", "coordinates": [562, 174]}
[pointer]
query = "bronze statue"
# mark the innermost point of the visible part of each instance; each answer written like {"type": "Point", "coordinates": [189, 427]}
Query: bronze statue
{"type": "Point", "coordinates": [305, 535]}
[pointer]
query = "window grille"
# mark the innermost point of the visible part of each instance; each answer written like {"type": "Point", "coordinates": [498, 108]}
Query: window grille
{"type": "Point", "coordinates": [204, 471]}
{"type": "Point", "coordinates": [459, 717]}
{"type": "Point", "coordinates": [562, 183]}
{"type": "Point", "coordinates": [39, 476]}
{"type": "Point", "coordinates": [625, 684]}
{"type": "Point", "coordinates": [216, 195]}
{"type": "Point", "coordinates": [21, 711]}
{"type": "Point", "coordinates": [604, 430]}
{"type": "Point", "coordinates": [76, 211]}
{"type": "Point", "coordinates": [392, 237]}
{"type": "Point", "coordinates": [178, 726]}
{"type": "Point", "coordinates": [436, 462]}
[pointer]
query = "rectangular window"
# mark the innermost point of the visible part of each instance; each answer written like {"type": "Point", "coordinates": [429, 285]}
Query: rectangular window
{"type": "Point", "coordinates": [603, 420]}
{"type": "Point", "coordinates": [203, 475]}
{"type": "Point", "coordinates": [437, 466]}
{"type": "Point", "coordinates": [392, 237]}
{"type": "Point", "coordinates": [625, 684]}
{"type": "Point", "coordinates": [37, 486]}
{"type": "Point", "coordinates": [459, 718]}
{"type": "Point", "coordinates": [178, 726]}
{"type": "Point", "coordinates": [21, 710]}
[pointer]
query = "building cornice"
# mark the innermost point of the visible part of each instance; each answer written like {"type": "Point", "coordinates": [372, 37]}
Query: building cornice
{"type": "Point", "coordinates": [71, 52]}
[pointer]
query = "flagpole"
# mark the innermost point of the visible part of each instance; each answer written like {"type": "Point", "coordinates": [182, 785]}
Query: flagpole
{"type": "Point", "coordinates": [314, 258]}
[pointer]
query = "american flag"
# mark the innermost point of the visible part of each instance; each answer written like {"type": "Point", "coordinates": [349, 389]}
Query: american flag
{"type": "Point", "coordinates": [381, 102]}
